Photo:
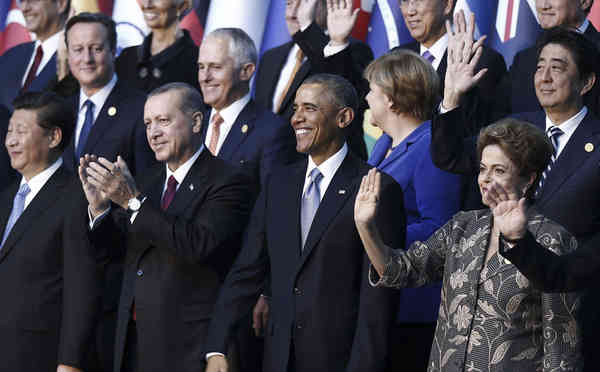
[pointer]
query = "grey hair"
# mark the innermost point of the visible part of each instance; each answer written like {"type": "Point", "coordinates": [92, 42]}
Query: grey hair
{"type": "Point", "coordinates": [340, 91]}
{"type": "Point", "coordinates": [241, 46]}
{"type": "Point", "coordinates": [191, 100]}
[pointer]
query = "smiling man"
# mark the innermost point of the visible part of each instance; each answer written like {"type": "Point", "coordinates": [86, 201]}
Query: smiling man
{"type": "Point", "coordinates": [179, 227]}
{"type": "Point", "coordinates": [49, 278]}
{"type": "Point", "coordinates": [109, 123]}
{"type": "Point", "coordinates": [323, 314]}
{"type": "Point", "coordinates": [31, 66]}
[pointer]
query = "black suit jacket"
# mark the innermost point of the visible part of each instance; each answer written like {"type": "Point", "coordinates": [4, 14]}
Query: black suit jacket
{"type": "Point", "coordinates": [49, 279]}
{"type": "Point", "coordinates": [312, 41]}
{"type": "Point", "coordinates": [143, 71]}
{"type": "Point", "coordinates": [322, 306]}
{"type": "Point", "coordinates": [122, 133]}
{"type": "Point", "coordinates": [175, 261]}
{"type": "Point", "coordinates": [259, 141]}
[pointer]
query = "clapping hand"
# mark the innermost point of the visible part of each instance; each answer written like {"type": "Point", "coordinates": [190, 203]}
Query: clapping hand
{"type": "Point", "coordinates": [365, 206]}
{"type": "Point", "coordinates": [114, 180]}
{"type": "Point", "coordinates": [509, 211]}
{"type": "Point", "coordinates": [97, 199]}
{"type": "Point", "coordinates": [463, 55]}
{"type": "Point", "coordinates": [341, 18]}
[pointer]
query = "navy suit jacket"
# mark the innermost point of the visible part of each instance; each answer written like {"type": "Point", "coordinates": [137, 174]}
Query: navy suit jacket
{"type": "Point", "coordinates": [13, 64]}
{"type": "Point", "coordinates": [321, 302]}
{"type": "Point", "coordinates": [49, 279]}
{"type": "Point", "coordinates": [259, 141]}
{"type": "Point", "coordinates": [431, 198]}
{"type": "Point", "coordinates": [122, 133]}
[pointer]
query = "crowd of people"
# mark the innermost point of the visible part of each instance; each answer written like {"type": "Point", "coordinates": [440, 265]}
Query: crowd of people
{"type": "Point", "coordinates": [157, 215]}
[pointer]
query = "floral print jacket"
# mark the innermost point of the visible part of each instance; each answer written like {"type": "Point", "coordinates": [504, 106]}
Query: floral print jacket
{"type": "Point", "coordinates": [490, 318]}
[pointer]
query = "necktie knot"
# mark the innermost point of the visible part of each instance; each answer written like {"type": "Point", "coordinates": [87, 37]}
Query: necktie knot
{"type": "Point", "coordinates": [428, 56]}
{"type": "Point", "coordinates": [217, 119]}
{"type": "Point", "coordinates": [89, 105]}
{"type": "Point", "coordinates": [315, 176]}
{"type": "Point", "coordinates": [172, 182]}
{"type": "Point", "coordinates": [554, 133]}
{"type": "Point", "coordinates": [23, 190]}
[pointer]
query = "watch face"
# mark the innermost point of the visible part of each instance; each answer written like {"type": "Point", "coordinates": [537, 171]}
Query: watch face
{"type": "Point", "coordinates": [134, 204]}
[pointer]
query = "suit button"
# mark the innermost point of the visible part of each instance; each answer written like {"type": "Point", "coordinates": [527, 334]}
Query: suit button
{"type": "Point", "coordinates": [298, 326]}
{"type": "Point", "coordinates": [297, 291]}
{"type": "Point", "coordinates": [140, 272]}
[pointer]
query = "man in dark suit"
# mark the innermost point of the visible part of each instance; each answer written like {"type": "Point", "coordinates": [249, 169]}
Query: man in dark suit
{"type": "Point", "coordinates": [181, 229]}
{"type": "Point", "coordinates": [324, 315]}
{"type": "Point", "coordinates": [109, 123]}
{"type": "Point", "coordinates": [110, 113]}
{"type": "Point", "coordinates": [567, 64]}
{"type": "Point", "coordinates": [516, 92]}
{"type": "Point", "coordinates": [238, 129]}
{"type": "Point", "coordinates": [31, 66]}
{"type": "Point", "coordinates": [49, 279]}
{"type": "Point", "coordinates": [282, 69]}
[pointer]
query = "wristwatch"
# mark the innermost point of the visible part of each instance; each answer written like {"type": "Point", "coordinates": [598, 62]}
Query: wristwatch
{"type": "Point", "coordinates": [134, 204]}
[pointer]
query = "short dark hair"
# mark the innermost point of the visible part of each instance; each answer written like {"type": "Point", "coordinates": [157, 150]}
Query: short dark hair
{"type": "Point", "coordinates": [52, 112]}
{"type": "Point", "coordinates": [340, 91]}
{"type": "Point", "coordinates": [101, 18]}
{"type": "Point", "coordinates": [526, 145]}
{"type": "Point", "coordinates": [584, 51]}
{"type": "Point", "coordinates": [190, 99]}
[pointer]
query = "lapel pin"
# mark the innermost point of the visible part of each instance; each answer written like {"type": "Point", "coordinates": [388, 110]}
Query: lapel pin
{"type": "Point", "coordinates": [156, 73]}
{"type": "Point", "coordinates": [143, 72]}
{"type": "Point", "coordinates": [589, 147]}
{"type": "Point", "coordinates": [341, 192]}
{"type": "Point", "coordinates": [191, 187]}
{"type": "Point", "coordinates": [244, 128]}
{"type": "Point", "coordinates": [112, 111]}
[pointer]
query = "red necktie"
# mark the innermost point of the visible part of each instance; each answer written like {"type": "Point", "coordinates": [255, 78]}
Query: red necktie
{"type": "Point", "coordinates": [34, 67]}
{"type": "Point", "coordinates": [169, 193]}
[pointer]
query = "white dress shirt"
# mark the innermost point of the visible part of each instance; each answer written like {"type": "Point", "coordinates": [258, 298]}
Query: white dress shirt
{"type": "Point", "coordinates": [229, 115]}
{"type": "Point", "coordinates": [49, 47]}
{"type": "Point", "coordinates": [328, 169]}
{"type": "Point", "coordinates": [97, 99]}
{"type": "Point", "coordinates": [568, 127]}
{"type": "Point", "coordinates": [438, 49]}
{"type": "Point", "coordinates": [37, 182]}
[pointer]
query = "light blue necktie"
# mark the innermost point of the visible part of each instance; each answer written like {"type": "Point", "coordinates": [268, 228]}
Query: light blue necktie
{"type": "Point", "coordinates": [17, 210]}
{"type": "Point", "coordinates": [85, 130]}
{"type": "Point", "coordinates": [310, 203]}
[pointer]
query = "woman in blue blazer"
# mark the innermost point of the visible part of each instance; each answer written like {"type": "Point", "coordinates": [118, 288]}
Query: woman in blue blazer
{"type": "Point", "coordinates": [404, 92]}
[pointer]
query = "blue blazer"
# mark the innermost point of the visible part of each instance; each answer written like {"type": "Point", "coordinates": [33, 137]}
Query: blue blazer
{"type": "Point", "coordinates": [431, 198]}
{"type": "Point", "coordinates": [13, 64]}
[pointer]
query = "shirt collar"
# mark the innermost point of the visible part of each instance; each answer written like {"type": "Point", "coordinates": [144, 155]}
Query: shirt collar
{"type": "Point", "coordinates": [231, 112]}
{"type": "Point", "coordinates": [570, 125]}
{"type": "Point", "coordinates": [100, 96]}
{"type": "Point", "coordinates": [329, 166]}
{"type": "Point", "coordinates": [438, 49]}
{"type": "Point", "coordinates": [49, 45]}
{"type": "Point", "coordinates": [180, 173]}
{"type": "Point", "coordinates": [39, 180]}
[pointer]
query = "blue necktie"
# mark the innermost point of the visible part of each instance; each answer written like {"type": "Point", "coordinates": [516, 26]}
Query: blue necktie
{"type": "Point", "coordinates": [553, 133]}
{"type": "Point", "coordinates": [310, 203]}
{"type": "Point", "coordinates": [85, 130]}
{"type": "Point", "coordinates": [17, 210]}
{"type": "Point", "coordinates": [428, 56]}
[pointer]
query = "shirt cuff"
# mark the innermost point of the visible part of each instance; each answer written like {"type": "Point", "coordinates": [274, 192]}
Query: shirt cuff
{"type": "Point", "coordinates": [444, 110]}
{"type": "Point", "coordinates": [330, 50]}
{"type": "Point", "coordinates": [208, 355]}
{"type": "Point", "coordinates": [304, 27]}
{"type": "Point", "coordinates": [94, 221]}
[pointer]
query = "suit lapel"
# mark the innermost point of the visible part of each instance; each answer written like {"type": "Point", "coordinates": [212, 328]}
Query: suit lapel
{"type": "Point", "coordinates": [192, 184]}
{"type": "Point", "coordinates": [290, 208]}
{"type": "Point", "coordinates": [7, 201]}
{"type": "Point", "coordinates": [341, 187]}
{"type": "Point", "coordinates": [573, 155]}
{"type": "Point", "coordinates": [278, 63]}
{"type": "Point", "coordinates": [69, 152]}
{"type": "Point", "coordinates": [49, 194]}
{"type": "Point", "coordinates": [240, 130]}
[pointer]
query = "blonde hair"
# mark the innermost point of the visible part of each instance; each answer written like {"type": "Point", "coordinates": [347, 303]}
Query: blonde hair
{"type": "Point", "coordinates": [408, 80]}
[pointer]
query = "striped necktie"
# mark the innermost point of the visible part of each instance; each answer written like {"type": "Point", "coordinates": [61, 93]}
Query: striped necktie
{"type": "Point", "coordinates": [553, 133]}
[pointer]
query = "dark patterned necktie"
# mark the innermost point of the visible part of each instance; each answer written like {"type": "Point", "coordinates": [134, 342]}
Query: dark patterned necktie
{"type": "Point", "coordinates": [169, 193]}
{"type": "Point", "coordinates": [553, 133]}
